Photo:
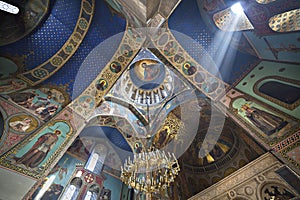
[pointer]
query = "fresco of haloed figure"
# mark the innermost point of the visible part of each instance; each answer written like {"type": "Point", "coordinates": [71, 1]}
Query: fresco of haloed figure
{"type": "Point", "coordinates": [34, 153]}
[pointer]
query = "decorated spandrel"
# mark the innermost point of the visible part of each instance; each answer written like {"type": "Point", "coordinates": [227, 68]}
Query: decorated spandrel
{"type": "Point", "coordinates": [92, 97]}
{"type": "Point", "coordinates": [16, 124]}
{"type": "Point", "coordinates": [11, 85]}
{"type": "Point", "coordinates": [169, 48]}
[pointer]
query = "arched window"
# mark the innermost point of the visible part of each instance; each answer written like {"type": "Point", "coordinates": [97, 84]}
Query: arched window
{"type": "Point", "coordinates": [92, 162]}
{"type": "Point", "coordinates": [92, 193]}
{"type": "Point", "coordinates": [96, 159]}
{"type": "Point", "coordinates": [228, 21]}
{"type": "Point", "coordinates": [265, 1]}
{"type": "Point", "coordinates": [72, 190]}
{"type": "Point", "coordinates": [286, 22]}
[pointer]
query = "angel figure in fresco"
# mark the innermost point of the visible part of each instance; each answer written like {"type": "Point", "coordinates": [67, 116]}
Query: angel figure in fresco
{"type": "Point", "coordinates": [266, 122]}
{"type": "Point", "coordinates": [38, 152]}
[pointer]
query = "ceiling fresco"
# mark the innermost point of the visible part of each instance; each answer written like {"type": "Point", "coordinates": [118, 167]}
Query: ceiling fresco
{"type": "Point", "coordinates": [130, 79]}
{"type": "Point", "coordinates": [31, 15]}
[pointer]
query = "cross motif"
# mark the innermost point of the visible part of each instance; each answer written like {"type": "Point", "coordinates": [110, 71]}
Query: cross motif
{"type": "Point", "coordinates": [89, 178]}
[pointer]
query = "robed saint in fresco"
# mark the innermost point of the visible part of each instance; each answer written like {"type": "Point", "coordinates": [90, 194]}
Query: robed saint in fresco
{"type": "Point", "coordinates": [38, 152]}
{"type": "Point", "coordinates": [266, 122]}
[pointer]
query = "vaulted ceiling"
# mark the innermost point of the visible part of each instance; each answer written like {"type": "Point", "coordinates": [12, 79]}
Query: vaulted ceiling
{"type": "Point", "coordinates": [67, 45]}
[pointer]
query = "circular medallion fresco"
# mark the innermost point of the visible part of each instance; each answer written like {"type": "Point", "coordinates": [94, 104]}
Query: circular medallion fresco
{"type": "Point", "coordinates": [23, 123]}
{"type": "Point", "coordinates": [147, 74]}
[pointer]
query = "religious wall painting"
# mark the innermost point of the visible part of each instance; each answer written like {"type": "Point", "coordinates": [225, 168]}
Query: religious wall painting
{"type": "Point", "coordinates": [126, 50]}
{"type": "Point", "coordinates": [101, 84]}
{"type": "Point", "coordinates": [16, 125]}
{"type": "Point", "coordinates": [81, 147]}
{"type": "Point", "coordinates": [56, 93]}
{"type": "Point", "coordinates": [11, 85]}
{"type": "Point", "coordinates": [275, 84]}
{"type": "Point", "coordinates": [106, 107]}
{"type": "Point", "coordinates": [36, 153]}
{"type": "Point", "coordinates": [189, 68]}
{"type": "Point", "coordinates": [147, 73]}
{"type": "Point", "coordinates": [112, 187]}
{"type": "Point", "coordinates": [210, 85]}
{"type": "Point", "coordinates": [57, 179]}
{"type": "Point", "coordinates": [23, 123]}
{"type": "Point", "coordinates": [163, 39]}
{"type": "Point", "coordinates": [162, 137]}
{"type": "Point", "coordinates": [115, 67]}
{"type": "Point", "coordinates": [270, 125]}
{"type": "Point", "coordinates": [36, 102]}
{"type": "Point", "coordinates": [170, 48]}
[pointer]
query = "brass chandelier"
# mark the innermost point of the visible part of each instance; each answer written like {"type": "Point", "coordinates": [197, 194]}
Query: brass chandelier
{"type": "Point", "coordinates": [150, 172]}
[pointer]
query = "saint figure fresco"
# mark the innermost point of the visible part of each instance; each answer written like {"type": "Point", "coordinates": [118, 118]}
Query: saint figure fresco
{"type": "Point", "coordinates": [38, 152]}
{"type": "Point", "coordinates": [265, 121]}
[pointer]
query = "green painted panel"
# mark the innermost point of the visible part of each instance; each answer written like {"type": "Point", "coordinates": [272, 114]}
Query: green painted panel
{"type": "Point", "coordinates": [267, 69]}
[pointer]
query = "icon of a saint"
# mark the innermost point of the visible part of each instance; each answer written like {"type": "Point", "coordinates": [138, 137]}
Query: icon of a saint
{"type": "Point", "coordinates": [38, 152]}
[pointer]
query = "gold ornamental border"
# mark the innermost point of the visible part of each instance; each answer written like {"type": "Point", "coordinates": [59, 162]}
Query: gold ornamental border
{"type": "Point", "coordinates": [183, 59]}
{"type": "Point", "coordinates": [58, 60]}
{"type": "Point", "coordinates": [75, 129]}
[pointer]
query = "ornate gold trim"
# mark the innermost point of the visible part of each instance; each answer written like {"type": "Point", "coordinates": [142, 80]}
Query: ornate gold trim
{"type": "Point", "coordinates": [67, 50]}
{"type": "Point", "coordinates": [180, 60]}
